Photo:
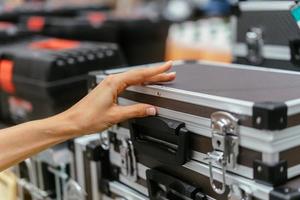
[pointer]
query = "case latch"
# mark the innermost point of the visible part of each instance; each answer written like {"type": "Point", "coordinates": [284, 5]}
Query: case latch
{"type": "Point", "coordinates": [254, 41]}
{"type": "Point", "coordinates": [162, 139]}
{"type": "Point", "coordinates": [128, 160]}
{"type": "Point", "coordinates": [225, 141]}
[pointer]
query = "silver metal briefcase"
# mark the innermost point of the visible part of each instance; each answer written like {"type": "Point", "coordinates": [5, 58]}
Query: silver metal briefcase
{"type": "Point", "coordinates": [235, 124]}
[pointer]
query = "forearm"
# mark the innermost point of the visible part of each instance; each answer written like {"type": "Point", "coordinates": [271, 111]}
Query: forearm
{"type": "Point", "coordinates": [20, 142]}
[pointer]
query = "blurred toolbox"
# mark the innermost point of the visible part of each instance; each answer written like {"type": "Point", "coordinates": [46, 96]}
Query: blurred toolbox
{"type": "Point", "coordinates": [78, 28]}
{"type": "Point", "coordinates": [46, 175]}
{"type": "Point", "coordinates": [10, 33]}
{"type": "Point", "coordinates": [266, 34]}
{"type": "Point", "coordinates": [43, 76]}
{"type": "Point", "coordinates": [143, 40]}
{"type": "Point", "coordinates": [225, 129]}
{"type": "Point", "coordinates": [44, 9]}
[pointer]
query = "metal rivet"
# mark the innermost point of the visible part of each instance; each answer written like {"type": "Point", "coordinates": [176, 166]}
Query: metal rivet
{"type": "Point", "coordinates": [100, 55]}
{"type": "Point", "coordinates": [109, 53]}
{"type": "Point", "coordinates": [281, 169]}
{"type": "Point", "coordinates": [259, 168]}
{"type": "Point", "coordinates": [286, 190]}
{"type": "Point", "coordinates": [89, 155]}
{"type": "Point", "coordinates": [91, 57]}
{"type": "Point", "coordinates": [258, 120]}
{"type": "Point", "coordinates": [71, 61]}
{"type": "Point", "coordinates": [281, 120]}
{"type": "Point", "coordinates": [60, 63]}
{"type": "Point", "coordinates": [80, 59]}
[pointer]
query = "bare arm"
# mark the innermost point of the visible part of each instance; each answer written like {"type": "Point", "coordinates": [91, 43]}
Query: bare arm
{"type": "Point", "coordinates": [95, 112]}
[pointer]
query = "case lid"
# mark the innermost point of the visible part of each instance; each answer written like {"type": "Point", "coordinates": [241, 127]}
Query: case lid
{"type": "Point", "coordinates": [262, 98]}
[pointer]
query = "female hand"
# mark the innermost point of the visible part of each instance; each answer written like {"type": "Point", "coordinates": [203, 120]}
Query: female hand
{"type": "Point", "coordinates": [94, 113]}
{"type": "Point", "coordinates": [99, 109]}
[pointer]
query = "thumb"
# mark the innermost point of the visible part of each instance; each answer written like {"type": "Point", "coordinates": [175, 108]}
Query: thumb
{"type": "Point", "coordinates": [137, 110]}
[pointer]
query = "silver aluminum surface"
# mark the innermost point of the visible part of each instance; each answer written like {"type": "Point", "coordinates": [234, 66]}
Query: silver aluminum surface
{"type": "Point", "coordinates": [258, 140]}
{"type": "Point", "coordinates": [266, 5]}
{"type": "Point", "coordinates": [124, 191]}
{"type": "Point", "coordinates": [80, 146]}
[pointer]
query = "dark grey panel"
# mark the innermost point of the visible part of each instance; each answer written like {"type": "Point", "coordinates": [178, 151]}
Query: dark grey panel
{"type": "Point", "coordinates": [269, 63]}
{"type": "Point", "coordinates": [278, 26]}
{"type": "Point", "coordinates": [243, 84]}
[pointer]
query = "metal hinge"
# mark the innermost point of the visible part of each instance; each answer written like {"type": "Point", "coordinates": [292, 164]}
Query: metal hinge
{"type": "Point", "coordinates": [128, 160]}
{"type": "Point", "coordinates": [225, 142]}
{"type": "Point", "coordinates": [254, 41]}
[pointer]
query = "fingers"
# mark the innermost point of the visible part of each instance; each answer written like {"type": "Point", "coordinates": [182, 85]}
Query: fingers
{"type": "Point", "coordinates": [135, 111]}
{"type": "Point", "coordinates": [165, 77]}
{"type": "Point", "coordinates": [139, 76]}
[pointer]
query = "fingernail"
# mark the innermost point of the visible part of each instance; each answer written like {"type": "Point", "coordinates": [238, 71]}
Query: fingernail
{"type": "Point", "coordinates": [151, 111]}
{"type": "Point", "coordinates": [172, 73]}
{"type": "Point", "coordinates": [170, 62]}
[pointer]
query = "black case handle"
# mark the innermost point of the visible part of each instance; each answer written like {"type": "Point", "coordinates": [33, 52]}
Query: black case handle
{"type": "Point", "coordinates": [162, 139]}
{"type": "Point", "coordinates": [163, 186]}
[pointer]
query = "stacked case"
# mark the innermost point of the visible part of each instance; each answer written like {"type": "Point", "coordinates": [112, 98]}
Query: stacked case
{"type": "Point", "coordinates": [223, 131]}
{"type": "Point", "coordinates": [46, 175]}
{"type": "Point", "coordinates": [143, 36]}
{"type": "Point", "coordinates": [266, 34]}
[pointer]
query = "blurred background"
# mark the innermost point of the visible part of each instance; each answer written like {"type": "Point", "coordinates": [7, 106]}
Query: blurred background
{"type": "Point", "coordinates": [191, 29]}
{"type": "Point", "coordinates": [48, 47]}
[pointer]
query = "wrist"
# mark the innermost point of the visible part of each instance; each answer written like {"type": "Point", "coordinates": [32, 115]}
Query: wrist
{"type": "Point", "coordinates": [64, 126]}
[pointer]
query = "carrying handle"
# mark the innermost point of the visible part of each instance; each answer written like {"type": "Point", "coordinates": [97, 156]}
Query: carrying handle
{"type": "Point", "coordinates": [164, 186]}
{"type": "Point", "coordinates": [162, 139]}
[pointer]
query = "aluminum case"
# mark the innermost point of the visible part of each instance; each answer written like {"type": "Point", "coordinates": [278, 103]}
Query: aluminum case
{"type": "Point", "coordinates": [264, 102]}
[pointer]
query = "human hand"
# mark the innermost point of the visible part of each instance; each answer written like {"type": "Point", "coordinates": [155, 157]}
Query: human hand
{"type": "Point", "coordinates": [99, 109]}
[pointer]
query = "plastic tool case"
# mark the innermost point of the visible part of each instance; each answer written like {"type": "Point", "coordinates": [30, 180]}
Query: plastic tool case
{"type": "Point", "coordinates": [266, 34]}
{"type": "Point", "coordinates": [142, 39]}
{"type": "Point", "coordinates": [42, 76]}
{"type": "Point", "coordinates": [235, 127]}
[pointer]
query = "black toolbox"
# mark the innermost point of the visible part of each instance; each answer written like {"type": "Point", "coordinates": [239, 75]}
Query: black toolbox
{"type": "Point", "coordinates": [78, 28]}
{"type": "Point", "coordinates": [42, 76]}
{"type": "Point", "coordinates": [10, 33]}
{"type": "Point", "coordinates": [43, 9]}
{"type": "Point", "coordinates": [141, 39]}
